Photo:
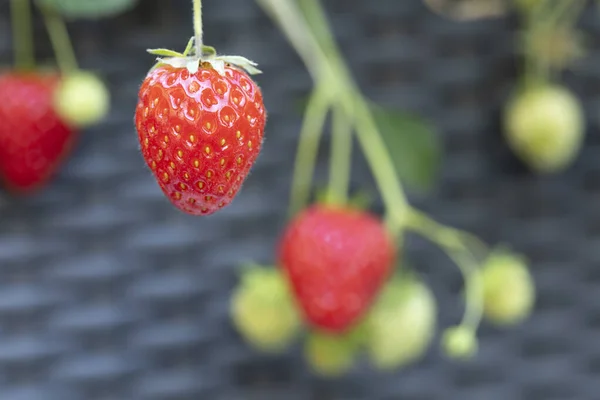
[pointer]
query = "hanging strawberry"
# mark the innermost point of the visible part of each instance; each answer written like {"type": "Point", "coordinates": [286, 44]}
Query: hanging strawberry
{"type": "Point", "coordinates": [200, 120]}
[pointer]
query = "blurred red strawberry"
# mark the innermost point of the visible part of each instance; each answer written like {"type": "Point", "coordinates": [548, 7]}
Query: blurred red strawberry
{"type": "Point", "coordinates": [337, 259]}
{"type": "Point", "coordinates": [33, 139]}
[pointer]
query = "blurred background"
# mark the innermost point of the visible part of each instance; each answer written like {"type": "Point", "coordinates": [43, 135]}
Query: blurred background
{"type": "Point", "coordinates": [107, 292]}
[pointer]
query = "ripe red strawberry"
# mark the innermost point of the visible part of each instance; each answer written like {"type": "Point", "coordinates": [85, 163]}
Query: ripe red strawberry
{"type": "Point", "coordinates": [200, 133]}
{"type": "Point", "coordinates": [33, 139]}
{"type": "Point", "coordinates": [337, 260]}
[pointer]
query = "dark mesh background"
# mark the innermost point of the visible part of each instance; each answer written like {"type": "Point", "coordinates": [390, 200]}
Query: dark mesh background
{"type": "Point", "coordinates": [109, 293]}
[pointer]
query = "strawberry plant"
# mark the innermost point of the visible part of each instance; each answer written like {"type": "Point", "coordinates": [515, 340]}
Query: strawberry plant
{"type": "Point", "coordinates": [348, 280]}
{"type": "Point", "coordinates": [40, 120]}
{"type": "Point", "coordinates": [544, 121]}
{"type": "Point", "coordinates": [200, 120]}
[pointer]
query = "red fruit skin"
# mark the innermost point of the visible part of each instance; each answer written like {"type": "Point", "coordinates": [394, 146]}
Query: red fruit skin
{"type": "Point", "coordinates": [34, 141]}
{"type": "Point", "coordinates": [200, 133]}
{"type": "Point", "coordinates": [337, 261]}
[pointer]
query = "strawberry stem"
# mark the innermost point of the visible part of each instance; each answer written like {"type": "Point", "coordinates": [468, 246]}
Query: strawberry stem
{"type": "Point", "coordinates": [453, 242]}
{"type": "Point", "coordinates": [198, 26]}
{"type": "Point", "coordinates": [61, 42]}
{"type": "Point", "coordinates": [354, 104]}
{"type": "Point", "coordinates": [308, 147]}
{"type": "Point", "coordinates": [22, 34]}
{"type": "Point", "coordinates": [546, 17]}
{"type": "Point", "coordinates": [341, 157]}
{"type": "Point", "coordinates": [333, 72]}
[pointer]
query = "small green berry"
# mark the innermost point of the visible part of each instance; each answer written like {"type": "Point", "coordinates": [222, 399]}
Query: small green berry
{"type": "Point", "coordinates": [329, 355]}
{"type": "Point", "coordinates": [401, 324]}
{"type": "Point", "coordinates": [545, 127]}
{"type": "Point", "coordinates": [509, 290]}
{"type": "Point", "coordinates": [263, 310]}
{"type": "Point", "coordinates": [82, 99]}
{"type": "Point", "coordinates": [459, 342]}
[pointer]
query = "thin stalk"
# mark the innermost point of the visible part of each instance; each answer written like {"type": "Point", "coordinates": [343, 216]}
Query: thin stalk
{"type": "Point", "coordinates": [452, 241]}
{"type": "Point", "coordinates": [22, 34]}
{"type": "Point", "coordinates": [198, 29]}
{"type": "Point", "coordinates": [308, 147]}
{"type": "Point", "coordinates": [287, 17]}
{"type": "Point", "coordinates": [61, 42]}
{"type": "Point", "coordinates": [341, 157]}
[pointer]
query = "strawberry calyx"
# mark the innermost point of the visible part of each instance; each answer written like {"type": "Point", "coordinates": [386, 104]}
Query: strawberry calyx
{"type": "Point", "coordinates": [192, 61]}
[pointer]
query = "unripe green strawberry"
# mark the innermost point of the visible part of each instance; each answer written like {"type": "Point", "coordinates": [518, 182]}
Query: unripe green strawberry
{"type": "Point", "coordinates": [401, 324]}
{"type": "Point", "coordinates": [509, 291]}
{"type": "Point", "coordinates": [330, 355]}
{"type": "Point", "coordinates": [263, 311]}
{"type": "Point", "coordinates": [545, 127]}
{"type": "Point", "coordinates": [459, 342]}
{"type": "Point", "coordinates": [81, 99]}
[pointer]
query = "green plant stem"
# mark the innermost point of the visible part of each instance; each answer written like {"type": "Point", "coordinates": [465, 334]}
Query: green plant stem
{"type": "Point", "coordinates": [341, 157]}
{"type": "Point", "coordinates": [308, 147]}
{"type": "Point", "coordinates": [548, 16]}
{"type": "Point", "coordinates": [367, 131]}
{"type": "Point", "coordinates": [198, 29]}
{"type": "Point", "coordinates": [453, 242]}
{"type": "Point", "coordinates": [286, 16]}
{"type": "Point", "coordinates": [22, 34]}
{"type": "Point", "coordinates": [61, 42]}
{"type": "Point", "coordinates": [330, 69]}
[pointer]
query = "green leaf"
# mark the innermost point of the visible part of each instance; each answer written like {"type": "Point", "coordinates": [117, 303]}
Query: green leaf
{"type": "Point", "coordinates": [89, 8]}
{"type": "Point", "coordinates": [413, 144]}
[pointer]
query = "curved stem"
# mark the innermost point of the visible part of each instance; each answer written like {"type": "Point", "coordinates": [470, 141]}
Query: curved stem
{"type": "Point", "coordinates": [474, 288]}
{"type": "Point", "coordinates": [61, 42]}
{"type": "Point", "coordinates": [286, 15]}
{"type": "Point", "coordinates": [341, 157]}
{"type": "Point", "coordinates": [22, 34]}
{"type": "Point", "coordinates": [453, 243]}
{"type": "Point", "coordinates": [198, 30]}
{"type": "Point", "coordinates": [308, 146]}
{"type": "Point", "coordinates": [383, 169]}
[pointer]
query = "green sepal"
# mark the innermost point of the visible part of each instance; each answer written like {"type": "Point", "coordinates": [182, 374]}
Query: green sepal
{"type": "Point", "coordinates": [209, 51]}
{"type": "Point", "coordinates": [189, 47]}
{"type": "Point", "coordinates": [164, 53]}
{"type": "Point", "coordinates": [242, 62]}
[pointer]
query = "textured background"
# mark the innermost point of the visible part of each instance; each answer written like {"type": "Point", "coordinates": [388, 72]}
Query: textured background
{"type": "Point", "coordinates": [109, 293]}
